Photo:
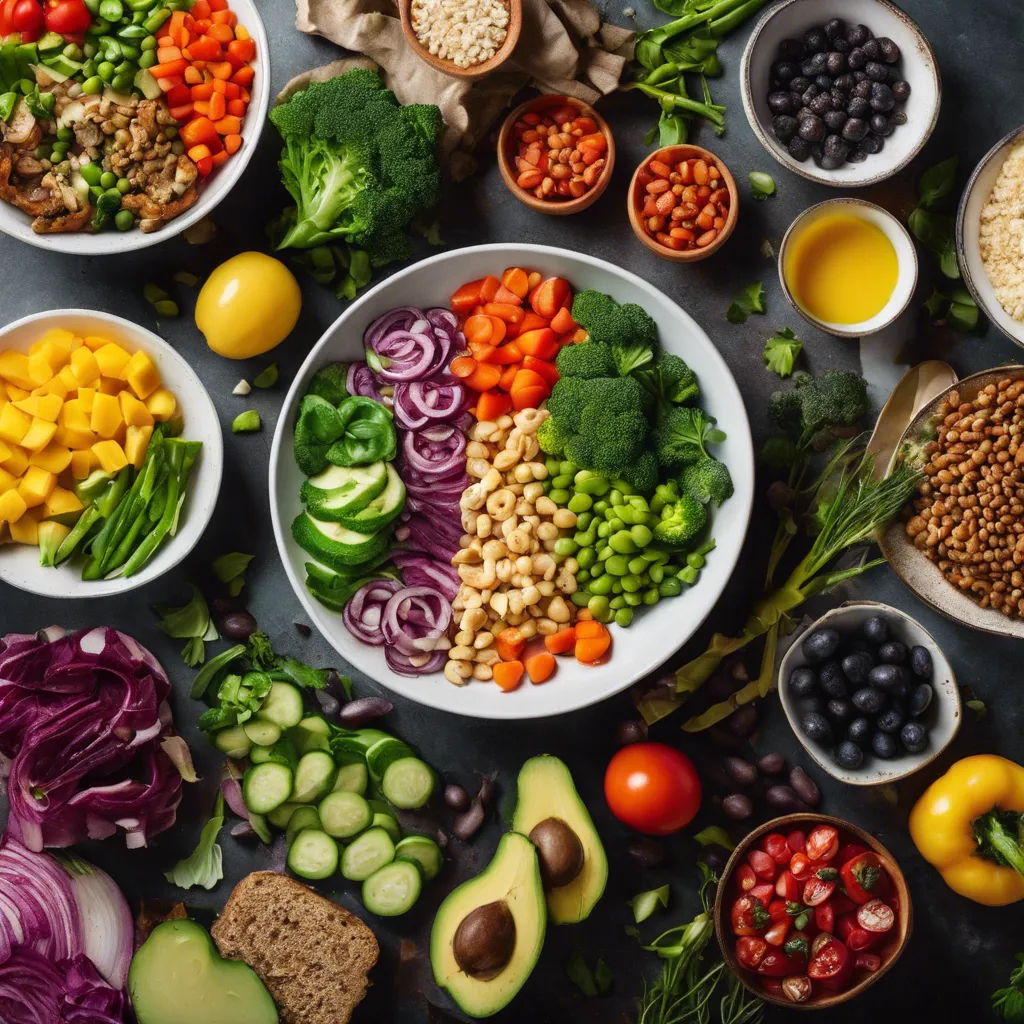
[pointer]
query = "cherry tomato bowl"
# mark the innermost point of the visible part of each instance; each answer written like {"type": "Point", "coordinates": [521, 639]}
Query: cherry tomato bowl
{"type": "Point", "coordinates": [847, 926]}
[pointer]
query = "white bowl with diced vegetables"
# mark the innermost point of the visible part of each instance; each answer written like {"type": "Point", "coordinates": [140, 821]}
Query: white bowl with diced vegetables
{"type": "Point", "coordinates": [657, 631]}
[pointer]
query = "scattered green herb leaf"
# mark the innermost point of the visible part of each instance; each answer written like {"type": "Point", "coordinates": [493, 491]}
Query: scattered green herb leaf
{"type": "Point", "coordinates": [247, 422]}
{"type": "Point", "coordinates": [189, 622]}
{"type": "Point", "coordinates": [762, 185]}
{"type": "Point", "coordinates": [580, 975]}
{"type": "Point", "coordinates": [937, 182]}
{"type": "Point", "coordinates": [603, 978]}
{"type": "Point", "coordinates": [266, 378]}
{"type": "Point", "coordinates": [1008, 1003]}
{"type": "Point", "coordinates": [230, 570]}
{"type": "Point", "coordinates": [186, 278]}
{"type": "Point", "coordinates": [795, 947]}
{"type": "Point", "coordinates": [827, 874]}
{"type": "Point", "coordinates": [781, 351]}
{"type": "Point", "coordinates": [645, 903]}
{"type": "Point", "coordinates": [749, 300]}
{"type": "Point", "coordinates": [204, 866]}
{"type": "Point", "coordinates": [935, 230]}
{"type": "Point", "coordinates": [715, 835]}
{"type": "Point", "coordinates": [978, 707]}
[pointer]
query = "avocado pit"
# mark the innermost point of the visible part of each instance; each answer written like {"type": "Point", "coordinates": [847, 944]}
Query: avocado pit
{"type": "Point", "coordinates": [559, 851]}
{"type": "Point", "coordinates": [485, 939]}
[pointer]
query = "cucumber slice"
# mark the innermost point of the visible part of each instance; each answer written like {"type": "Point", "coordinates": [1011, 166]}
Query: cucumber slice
{"type": "Point", "coordinates": [381, 819]}
{"type": "Point", "coordinates": [314, 776]}
{"type": "Point", "coordinates": [280, 816]}
{"type": "Point", "coordinates": [334, 544]}
{"type": "Point", "coordinates": [424, 851]}
{"type": "Point", "coordinates": [260, 755]}
{"type": "Point", "coordinates": [312, 733]}
{"type": "Point", "coordinates": [302, 817]}
{"type": "Point", "coordinates": [359, 741]}
{"type": "Point", "coordinates": [341, 491]}
{"type": "Point", "coordinates": [344, 814]}
{"type": "Point", "coordinates": [282, 706]}
{"type": "Point", "coordinates": [393, 889]}
{"type": "Point", "coordinates": [259, 826]}
{"type": "Point", "coordinates": [313, 855]}
{"type": "Point", "coordinates": [384, 753]}
{"type": "Point", "coordinates": [266, 786]}
{"type": "Point", "coordinates": [232, 742]}
{"type": "Point", "coordinates": [262, 733]}
{"type": "Point", "coordinates": [408, 783]}
{"type": "Point", "coordinates": [379, 512]}
{"type": "Point", "coordinates": [367, 854]}
{"type": "Point", "coordinates": [352, 778]}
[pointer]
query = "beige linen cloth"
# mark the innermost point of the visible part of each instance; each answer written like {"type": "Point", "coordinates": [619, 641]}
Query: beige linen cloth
{"type": "Point", "coordinates": [563, 48]}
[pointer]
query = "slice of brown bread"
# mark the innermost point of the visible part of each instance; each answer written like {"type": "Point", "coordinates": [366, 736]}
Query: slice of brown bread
{"type": "Point", "coordinates": [311, 954]}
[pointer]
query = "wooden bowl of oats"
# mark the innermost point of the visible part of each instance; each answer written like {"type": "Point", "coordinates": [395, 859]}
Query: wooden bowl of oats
{"type": "Point", "coordinates": [462, 38]}
{"type": "Point", "coordinates": [990, 235]}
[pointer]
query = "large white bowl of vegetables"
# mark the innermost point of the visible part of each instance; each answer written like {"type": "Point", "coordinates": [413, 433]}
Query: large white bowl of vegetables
{"type": "Point", "coordinates": [658, 630]}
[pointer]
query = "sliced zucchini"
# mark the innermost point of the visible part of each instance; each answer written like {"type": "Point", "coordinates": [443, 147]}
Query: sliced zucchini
{"type": "Point", "coordinates": [408, 783]}
{"type": "Point", "coordinates": [379, 512]}
{"type": "Point", "coordinates": [335, 545]}
{"type": "Point", "coordinates": [341, 491]}
{"type": "Point", "coordinates": [393, 889]}
{"type": "Point", "coordinates": [385, 752]}
{"type": "Point", "coordinates": [367, 854]}
{"type": "Point", "coordinates": [259, 826]}
{"type": "Point", "coordinates": [262, 732]}
{"type": "Point", "coordinates": [344, 814]}
{"type": "Point", "coordinates": [312, 733]}
{"type": "Point", "coordinates": [352, 778]}
{"type": "Point", "coordinates": [424, 851]}
{"type": "Point", "coordinates": [359, 741]}
{"type": "Point", "coordinates": [283, 705]}
{"type": "Point", "coordinates": [232, 741]}
{"type": "Point", "coordinates": [266, 786]}
{"type": "Point", "coordinates": [260, 755]}
{"type": "Point", "coordinates": [313, 854]}
{"type": "Point", "coordinates": [280, 816]}
{"type": "Point", "coordinates": [314, 776]}
{"type": "Point", "coordinates": [302, 817]}
{"type": "Point", "coordinates": [382, 819]}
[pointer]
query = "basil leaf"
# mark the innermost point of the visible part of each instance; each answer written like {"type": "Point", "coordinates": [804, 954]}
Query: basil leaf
{"type": "Point", "coordinates": [580, 975]}
{"type": "Point", "coordinates": [937, 182]}
{"type": "Point", "coordinates": [749, 300]}
{"type": "Point", "coordinates": [715, 835]}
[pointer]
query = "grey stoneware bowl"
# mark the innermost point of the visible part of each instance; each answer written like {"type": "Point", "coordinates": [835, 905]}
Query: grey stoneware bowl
{"type": "Point", "coordinates": [968, 225]}
{"type": "Point", "coordinates": [917, 65]}
{"type": "Point", "coordinates": [915, 569]}
{"type": "Point", "coordinates": [942, 717]}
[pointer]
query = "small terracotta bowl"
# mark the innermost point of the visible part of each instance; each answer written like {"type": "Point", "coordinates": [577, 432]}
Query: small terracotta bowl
{"type": "Point", "coordinates": [507, 156]}
{"type": "Point", "coordinates": [889, 952]}
{"type": "Point", "coordinates": [449, 67]}
{"type": "Point", "coordinates": [635, 200]}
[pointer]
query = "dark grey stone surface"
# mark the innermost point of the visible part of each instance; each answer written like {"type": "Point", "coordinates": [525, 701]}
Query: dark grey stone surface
{"type": "Point", "coordinates": [959, 951]}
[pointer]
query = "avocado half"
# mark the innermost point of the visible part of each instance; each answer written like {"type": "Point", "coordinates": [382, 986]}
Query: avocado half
{"type": "Point", "coordinates": [546, 791]}
{"type": "Point", "coordinates": [506, 904]}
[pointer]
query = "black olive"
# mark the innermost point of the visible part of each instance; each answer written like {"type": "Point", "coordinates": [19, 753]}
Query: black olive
{"type": "Point", "coordinates": [844, 83]}
{"type": "Point", "coordinates": [855, 129]}
{"type": "Point", "coordinates": [771, 764]}
{"type": "Point", "coordinates": [859, 730]}
{"type": "Point", "coordinates": [897, 118]}
{"type": "Point", "coordinates": [823, 82]}
{"type": "Point", "coordinates": [237, 625]}
{"type": "Point", "coordinates": [834, 28]}
{"type": "Point", "coordinates": [890, 720]}
{"type": "Point", "coordinates": [818, 62]}
{"type": "Point", "coordinates": [742, 721]}
{"type": "Point", "coordinates": [859, 107]}
{"type": "Point", "coordinates": [856, 59]}
{"type": "Point", "coordinates": [815, 40]}
{"type": "Point", "coordinates": [821, 104]}
{"type": "Point", "coordinates": [835, 121]}
{"type": "Point", "coordinates": [875, 629]}
{"type": "Point", "coordinates": [646, 852]}
{"type": "Point", "coordinates": [785, 70]}
{"type": "Point", "coordinates": [859, 76]}
{"type": "Point", "coordinates": [836, 63]}
{"type": "Point", "coordinates": [833, 152]}
{"type": "Point", "coordinates": [840, 45]}
{"type": "Point", "coordinates": [803, 681]}
{"type": "Point", "coordinates": [809, 93]}
{"type": "Point", "coordinates": [799, 149]}
{"type": "Point", "coordinates": [872, 143]}
{"type": "Point", "coordinates": [791, 49]}
{"type": "Point", "coordinates": [856, 667]}
{"type": "Point", "coordinates": [797, 98]}
{"type": "Point", "coordinates": [858, 35]}
{"type": "Point", "coordinates": [784, 127]}
{"type": "Point", "coordinates": [806, 788]}
{"type": "Point", "coordinates": [869, 700]}
{"type": "Point", "coordinates": [921, 662]}
{"type": "Point", "coordinates": [632, 730]}
{"type": "Point", "coordinates": [804, 112]}
{"type": "Point", "coordinates": [883, 745]}
{"type": "Point", "coordinates": [840, 711]}
{"type": "Point", "coordinates": [839, 99]}
{"type": "Point", "coordinates": [800, 83]}
{"type": "Point", "coordinates": [716, 857]}
{"type": "Point", "coordinates": [880, 124]}
{"type": "Point", "coordinates": [831, 679]}
{"type": "Point", "coordinates": [815, 151]}
{"type": "Point", "coordinates": [737, 806]}
{"type": "Point", "coordinates": [849, 755]}
{"type": "Point", "coordinates": [822, 643]}
{"type": "Point", "coordinates": [914, 737]}
{"type": "Point", "coordinates": [890, 51]}
{"type": "Point", "coordinates": [920, 699]}
{"type": "Point", "coordinates": [881, 98]}
{"type": "Point", "coordinates": [872, 49]}
{"type": "Point", "coordinates": [780, 103]}
{"type": "Point", "coordinates": [876, 72]}
{"type": "Point", "coordinates": [816, 727]}
{"type": "Point", "coordinates": [892, 653]}
{"type": "Point", "coordinates": [742, 772]}
{"type": "Point", "coordinates": [856, 155]}
{"type": "Point", "coordinates": [900, 91]}
{"type": "Point", "coordinates": [886, 677]}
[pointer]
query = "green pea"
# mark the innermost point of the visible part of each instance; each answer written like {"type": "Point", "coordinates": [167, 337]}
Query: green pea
{"type": "Point", "coordinates": [105, 70]}
{"type": "Point", "coordinates": [624, 616]}
{"type": "Point", "coordinates": [562, 481]}
{"type": "Point", "coordinates": [638, 565]}
{"type": "Point", "coordinates": [43, 152]}
{"type": "Point", "coordinates": [622, 543]}
{"type": "Point", "coordinates": [638, 501]}
{"type": "Point", "coordinates": [582, 577]}
{"type": "Point", "coordinates": [552, 466]}
{"type": "Point", "coordinates": [59, 151]}
{"type": "Point", "coordinates": [568, 468]}
{"type": "Point", "coordinates": [124, 220]}
{"type": "Point", "coordinates": [695, 560]}
{"type": "Point", "coordinates": [65, 134]}
{"type": "Point", "coordinates": [171, 131]}
{"type": "Point", "coordinates": [124, 186]}
{"type": "Point", "coordinates": [588, 482]}
{"type": "Point", "coordinates": [580, 503]}
{"type": "Point", "coordinates": [616, 565]}
{"type": "Point", "coordinates": [641, 535]}
{"type": "Point", "coordinates": [598, 605]}
{"type": "Point", "coordinates": [123, 82]}
{"type": "Point", "coordinates": [606, 616]}
{"type": "Point", "coordinates": [566, 546]}
{"type": "Point", "coordinates": [616, 524]}
{"type": "Point", "coordinates": [600, 507]}
{"type": "Point", "coordinates": [583, 520]}
{"type": "Point", "coordinates": [615, 496]}
{"type": "Point", "coordinates": [580, 598]}
{"type": "Point", "coordinates": [656, 573]}
{"type": "Point", "coordinates": [93, 86]}
{"type": "Point", "coordinates": [558, 495]}
{"type": "Point", "coordinates": [149, 43]}
{"type": "Point", "coordinates": [617, 602]}
{"type": "Point", "coordinates": [108, 179]}
{"type": "Point", "coordinates": [670, 587]}
{"type": "Point", "coordinates": [597, 569]}
{"type": "Point", "coordinates": [91, 173]}
{"type": "Point", "coordinates": [603, 529]}
{"type": "Point", "coordinates": [601, 585]}
{"type": "Point", "coordinates": [586, 558]}
{"type": "Point", "coordinates": [651, 596]}
{"type": "Point", "coordinates": [689, 575]}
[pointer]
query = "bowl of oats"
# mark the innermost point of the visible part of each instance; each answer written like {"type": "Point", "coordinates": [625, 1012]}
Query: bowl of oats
{"type": "Point", "coordinates": [462, 38]}
{"type": "Point", "coordinates": [990, 235]}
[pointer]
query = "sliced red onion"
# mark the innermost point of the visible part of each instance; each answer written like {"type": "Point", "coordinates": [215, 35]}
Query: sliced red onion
{"type": "Point", "coordinates": [421, 402]}
{"type": "Point", "coordinates": [416, 618]}
{"type": "Point", "coordinates": [424, 571]}
{"type": "Point", "coordinates": [443, 318]}
{"type": "Point", "coordinates": [364, 612]}
{"type": "Point", "coordinates": [434, 458]}
{"type": "Point", "coordinates": [408, 345]}
{"type": "Point", "coordinates": [361, 380]}
{"type": "Point", "coordinates": [417, 665]}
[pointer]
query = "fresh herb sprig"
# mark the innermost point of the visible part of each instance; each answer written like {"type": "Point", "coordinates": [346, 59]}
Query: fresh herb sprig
{"type": "Point", "coordinates": [1008, 1002]}
{"type": "Point", "coordinates": [781, 351]}
{"type": "Point", "coordinates": [190, 622]}
{"type": "Point", "coordinates": [749, 300]}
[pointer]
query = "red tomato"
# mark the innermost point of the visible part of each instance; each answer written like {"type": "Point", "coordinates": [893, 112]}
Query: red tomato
{"type": "Point", "coordinates": [777, 910]}
{"type": "Point", "coordinates": [801, 867]}
{"type": "Point", "coordinates": [842, 904]}
{"type": "Point", "coordinates": [825, 917]}
{"type": "Point", "coordinates": [775, 964]}
{"type": "Point", "coordinates": [776, 934]}
{"type": "Point", "coordinates": [796, 841]}
{"type": "Point", "coordinates": [6, 14]}
{"type": "Point", "coordinates": [763, 892]}
{"type": "Point", "coordinates": [850, 850]}
{"type": "Point", "coordinates": [748, 916]}
{"type": "Point", "coordinates": [864, 878]}
{"type": "Point", "coordinates": [777, 848]}
{"type": "Point", "coordinates": [868, 962]}
{"type": "Point", "coordinates": [831, 966]}
{"type": "Point", "coordinates": [822, 843]}
{"type": "Point", "coordinates": [27, 17]}
{"type": "Point", "coordinates": [876, 916]}
{"type": "Point", "coordinates": [771, 985]}
{"type": "Point", "coordinates": [853, 935]}
{"type": "Point", "coordinates": [750, 950]}
{"type": "Point", "coordinates": [745, 877]}
{"type": "Point", "coordinates": [788, 887]}
{"type": "Point", "coordinates": [67, 16]}
{"type": "Point", "coordinates": [763, 865]}
{"type": "Point", "coordinates": [817, 890]}
{"type": "Point", "coordinates": [653, 788]}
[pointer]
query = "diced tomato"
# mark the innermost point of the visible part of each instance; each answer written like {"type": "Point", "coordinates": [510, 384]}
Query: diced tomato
{"type": "Point", "coordinates": [763, 891]}
{"type": "Point", "coordinates": [822, 843]}
{"type": "Point", "coordinates": [825, 917]}
{"type": "Point", "coordinates": [831, 965]}
{"type": "Point", "coordinates": [775, 845]}
{"type": "Point", "coordinates": [773, 986]}
{"type": "Point", "coordinates": [748, 916]}
{"type": "Point", "coordinates": [776, 934]}
{"type": "Point", "coordinates": [853, 935]}
{"type": "Point", "coordinates": [745, 877]}
{"type": "Point", "coordinates": [750, 950]}
{"type": "Point", "coordinates": [842, 904]}
{"type": "Point", "coordinates": [776, 964]}
{"type": "Point", "coordinates": [864, 878]}
{"type": "Point", "coordinates": [801, 867]}
{"type": "Point", "coordinates": [777, 910]}
{"type": "Point", "coordinates": [876, 916]}
{"type": "Point", "coordinates": [868, 962]}
{"type": "Point", "coordinates": [817, 890]}
{"type": "Point", "coordinates": [850, 850]}
{"type": "Point", "coordinates": [763, 865]}
{"type": "Point", "coordinates": [796, 841]}
{"type": "Point", "coordinates": [787, 886]}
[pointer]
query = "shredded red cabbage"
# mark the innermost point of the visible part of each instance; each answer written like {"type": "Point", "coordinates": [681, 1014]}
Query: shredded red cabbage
{"type": "Point", "coordinates": [34, 990]}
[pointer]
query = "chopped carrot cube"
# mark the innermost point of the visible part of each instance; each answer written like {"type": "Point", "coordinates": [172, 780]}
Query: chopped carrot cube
{"type": "Point", "coordinates": [232, 143]}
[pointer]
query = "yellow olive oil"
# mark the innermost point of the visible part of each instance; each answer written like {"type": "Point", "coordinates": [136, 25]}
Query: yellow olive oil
{"type": "Point", "coordinates": [841, 268]}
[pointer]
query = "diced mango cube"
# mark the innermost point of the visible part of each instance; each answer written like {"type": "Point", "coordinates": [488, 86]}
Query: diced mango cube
{"type": "Point", "coordinates": [7, 481]}
{"type": "Point", "coordinates": [60, 502]}
{"type": "Point", "coordinates": [136, 443]}
{"type": "Point", "coordinates": [73, 415]}
{"type": "Point", "coordinates": [14, 424]}
{"type": "Point", "coordinates": [39, 435]}
{"type": "Point", "coordinates": [84, 366]}
{"type": "Point", "coordinates": [142, 375]}
{"type": "Point", "coordinates": [39, 369]}
{"type": "Point", "coordinates": [16, 394]}
{"type": "Point", "coordinates": [53, 457]}
{"type": "Point", "coordinates": [12, 506]}
{"type": "Point", "coordinates": [36, 485]}
{"type": "Point", "coordinates": [85, 396]}
{"type": "Point", "coordinates": [134, 412]}
{"type": "Point", "coordinates": [83, 463]}
{"type": "Point", "coordinates": [46, 407]}
{"type": "Point", "coordinates": [26, 529]}
{"type": "Point", "coordinates": [68, 379]}
{"type": "Point", "coordinates": [56, 355]}
{"type": "Point", "coordinates": [58, 337]}
{"type": "Point", "coordinates": [105, 417]}
{"type": "Point", "coordinates": [161, 405]}
{"type": "Point", "coordinates": [5, 451]}
{"type": "Point", "coordinates": [94, 343]}
{"type": "Point", "coordinates": [14, 368]}
{"type": "Point", "coordinates": [54, 386]}
{"type": "Point", "coordinates": [16, 462]}
{"type": "Point", "coordinates": [111, 455]}
{"type": "Point", "coordinates": [111, 385]}
{"type": "Point", "coordinates": [75, 436]}
{"type": "Point", "coordinates": [113, 360]}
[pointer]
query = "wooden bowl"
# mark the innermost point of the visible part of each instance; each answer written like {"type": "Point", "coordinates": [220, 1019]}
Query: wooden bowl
{"type": "Point", "coordinates": [507, 156]}
{"type": "Point", "coordinates": [889, 952]}
{"type": "Point", "coordinates": [634, 204]}
{"type": "Point", "coordinates": [449, 67]}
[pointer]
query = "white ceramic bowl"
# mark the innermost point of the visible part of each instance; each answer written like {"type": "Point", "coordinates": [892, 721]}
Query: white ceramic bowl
{"type": "Point", "coordinates": [18, 225]}
{"type": "Point", "coordinates": [917, 65]}
{"type": "Point", "coordinates": [942, 717]}
{"type": "Point", "coordinates": [968, 228]}
{"type": "Point", "coordinates": [656, 632]}
{"type": "Point", "coordinates": [906, 262]}
{"type": "Point", "coordinates": [19, 563]}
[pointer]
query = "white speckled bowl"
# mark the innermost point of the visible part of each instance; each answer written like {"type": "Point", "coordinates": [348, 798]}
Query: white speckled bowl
{"type": "Point", "coordinates": [917, 65]}
{"type": "Point", "coordinates": [942, 718]}
{"type": "Point", "coordinates": [968, 224]}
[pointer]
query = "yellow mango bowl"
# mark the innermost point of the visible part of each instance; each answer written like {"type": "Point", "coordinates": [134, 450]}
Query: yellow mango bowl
{"type": "Point", "coordinates": [80, 391]}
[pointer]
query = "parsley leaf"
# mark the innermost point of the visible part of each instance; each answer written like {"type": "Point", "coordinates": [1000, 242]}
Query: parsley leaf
{"type": "Point", "coordinates": [780, 352]}
{"type": "Point", "coordinates": [827, 874]}
{"type": "Point", "coordinates": [796, 947]}
{"type": "Point", "coordinates": [866, 875]}
{"type": "Point", "coordinates": [749, 300]}
{"type": "Point", "coordinates": [1008, 1003]}
{"type": "Point", "coordinates": [760, 915]}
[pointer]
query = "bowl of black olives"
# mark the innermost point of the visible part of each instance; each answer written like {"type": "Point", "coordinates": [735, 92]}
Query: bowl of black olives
{"type": "Point", "coordinates": [842, 93]}
{"type": "Point", "coordinates": [869, 694]}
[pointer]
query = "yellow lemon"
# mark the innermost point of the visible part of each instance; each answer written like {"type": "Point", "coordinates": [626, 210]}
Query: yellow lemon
{"type": "Point", "coordinates": [248, 305]}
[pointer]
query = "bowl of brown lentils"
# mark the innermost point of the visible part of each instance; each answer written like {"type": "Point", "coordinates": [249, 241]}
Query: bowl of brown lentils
{"type": "Point", "coordinates": [959, 544]}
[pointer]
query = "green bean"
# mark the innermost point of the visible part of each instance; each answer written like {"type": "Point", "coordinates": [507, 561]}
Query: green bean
{"type": "Point", "coordinates": [641, 535]}
{"type": "Point", "coordinates": [616, 565]}
{"type": "Point", "coordinates": [651, 596]}
{"type": "Point", "coordinates": [154, 21]}
{"type": "Point", "coordinates": [603, 529]}
{"type": "Point", "coordinates": [656, 573]}
{"type": "Point", "coordinates": [149, 43]}
{"type": "Point", "coordinates": [587, 482]}
{"type": "Point", "coordinates": [616, 524]}
{"type": "Point", "coordinates": [586, 558]}
{"type": "Point", "coordinates": [566, 546]}
{"type": "Point", "coordinates": [583, 521]}
{"type": "Point", "coordinates": [141, 5]}
{"type": "Point", "coordinates": [624, 616]}
{"type": "Point", "coordinates": [124, 220]}
{"type": "Point", "coordinates": [695, 560]}
{"type": "Point", "coordinates": [601, 585]}
{"type": "Point", "coordinates": [579, 503]}
{"type": "Point", "coordinates": [558, 495]}
{"type": "Point", "coordinates": [579, 598]}
{"type": "Point", "coordinates": [598, 605]}
{"type": "Point", "coordinates": [600, 507]}
{"type": "Point", "coordinates": [688, 575]}
{"type": "Point", "coordinates": [617, 602]}
{"type": "Point", "coordinates": [615, 496]}
{"type": "Point", "coordinates": [132, 33]}
{"type": "Point", "coordinates": [622, 543]}
{"type": "Point", "coordinates": [148, 60]}
{"type": "Point", "coordinates": [670, 587]}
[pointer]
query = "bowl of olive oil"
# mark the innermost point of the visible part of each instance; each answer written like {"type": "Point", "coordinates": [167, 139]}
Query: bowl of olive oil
{"type": "Point", "coordinates": [848, 266]}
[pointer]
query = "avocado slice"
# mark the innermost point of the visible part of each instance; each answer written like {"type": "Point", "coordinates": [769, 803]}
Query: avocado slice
{"type": "Point", "coordinates": [551, 813]}
{"type": "Point", "coordinates": [488, 933]}
{"type": "Point", "coordinates": [178, 977]}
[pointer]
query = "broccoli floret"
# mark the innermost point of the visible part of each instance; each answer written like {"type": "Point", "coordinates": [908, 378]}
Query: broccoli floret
{"type": "Point", "coordinates": [681, 436]}
{"type": "Point", "coordinates": [329, 382]}
{"type": "Point", "coordinates": [586, 360]}
{"type": "Point", "coordinates": [628, 331]}
{"type": "Point", "coordinates": [707, 480]}
{"type": "Point", "coordinates": [838, 398]}
{"type": "Point", "coordinates": [681, 521]}
{"type": "Point", "coordinates": [643, 474]}
{"type": "Point", "coordinates": [785, 410]}
{"type": "Point", "coordinates": [551, 438]}
{"type": "Point", "coordinates": [669, 381]}
{"type": "Point", "coordinates": [261, 651]}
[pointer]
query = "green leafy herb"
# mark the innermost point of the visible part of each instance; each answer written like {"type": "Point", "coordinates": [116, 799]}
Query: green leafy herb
{"type": "Point", "coordinates": [205, 676]}
{"type": "Point", "coordinates": [266, 378]}
{"type": "Point", "coordinates": [715, 835]}
{"type": "Point", "coordinates": [866, 876]}
{"type": "Point", "coordinates": [591, 983]}
{"type": "Point", "coordinates": [645, 903]}
{"type": "Point", "coordinates": [260, 651]}
{"type": "Point", "coordinates": [603, 978]}
{"type": "Point", "coordinates": [204, 866]}
{"type": "Point", "coordinates": [796, 947]}
{"type": "Point", "coordinates": [978, 707]}
{"type": "Point", "coordinates": [190, 622]}
{"type": "Point", "coordinates": [247, 422]}
{"type": "Point", "coordinates": [957, 309]}
{"type": "Point", "coordinates": [794, 909]}
{"type": "Point", "coordinates": [931, 227]}
{"type": "Point", "coordinates": [937, 182]}
{"type": "Point", "coordinates": [1008, 1003]}
{"type": "Point", "coordinates": [762, 185]}
{"type": "Point", "coordinates": [760, 913]}
{"type": "Point", "coordinates": [781, 351]}
{"type": "Point", "coordinates": [826, 874]}
{"type": "Point", "coordinates": [749, 300]}
{"type": "Point", "coordinates": [230, 570]}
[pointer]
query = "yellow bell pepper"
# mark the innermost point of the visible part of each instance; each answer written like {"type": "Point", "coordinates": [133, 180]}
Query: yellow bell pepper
{"type": "Point", "coordinates": [970, 825]}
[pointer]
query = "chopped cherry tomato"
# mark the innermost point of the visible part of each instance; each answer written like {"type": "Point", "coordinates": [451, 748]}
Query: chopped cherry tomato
{"type": "Point", "coordinates": [864, 878]}
{"type": "Point", "coordinates": [777, 910]}
{"type": "Point", "coordinates": [745, 877]}
{"type": "Point", "coordinates": [801, 867]}
{"type": "Point", "coordinates": [750, 950]}
{"type": "Point", "coordinates": [763, 892]}
{"type": "Point", "coordinates": [788, 887]}
{"type": "Point", "coordinates": [853, 935]}
{"type": "Point", "coordinates": [775, 845]}
{"type": "Point", "coordinates": [763, 865]}
{"type": "Point", "coordinates": [825, 917]}
{"type": "Point", "coordinates": [831, 965]}
{"type": "Point", "coordinates": [776, 934]}
{"type": "Point", "coordinates": [817, 890]}
{"type": "Point", "coordinates": [66, 17]}
{"type": "Point", "coordinates": [796, 841]}
{"type": "Point", "coordinates": [748, 916]}
{"type": "Point", "coordinates": [850, 850]}
{"type": "Point", "coordinates": [876, 916]}
{"type": "Point", "coordinates": [771, 985]}
{"type": "Point", "coordinates": [868, 962]}
{"type": "Point", "coordinates": [842, 904]}
{"type": "Point", "coordinates": [775, 964]}
{"type": "Point", "coordinates": [27, 18]}
{"type": "Point", "coordinates": [823, 843]}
